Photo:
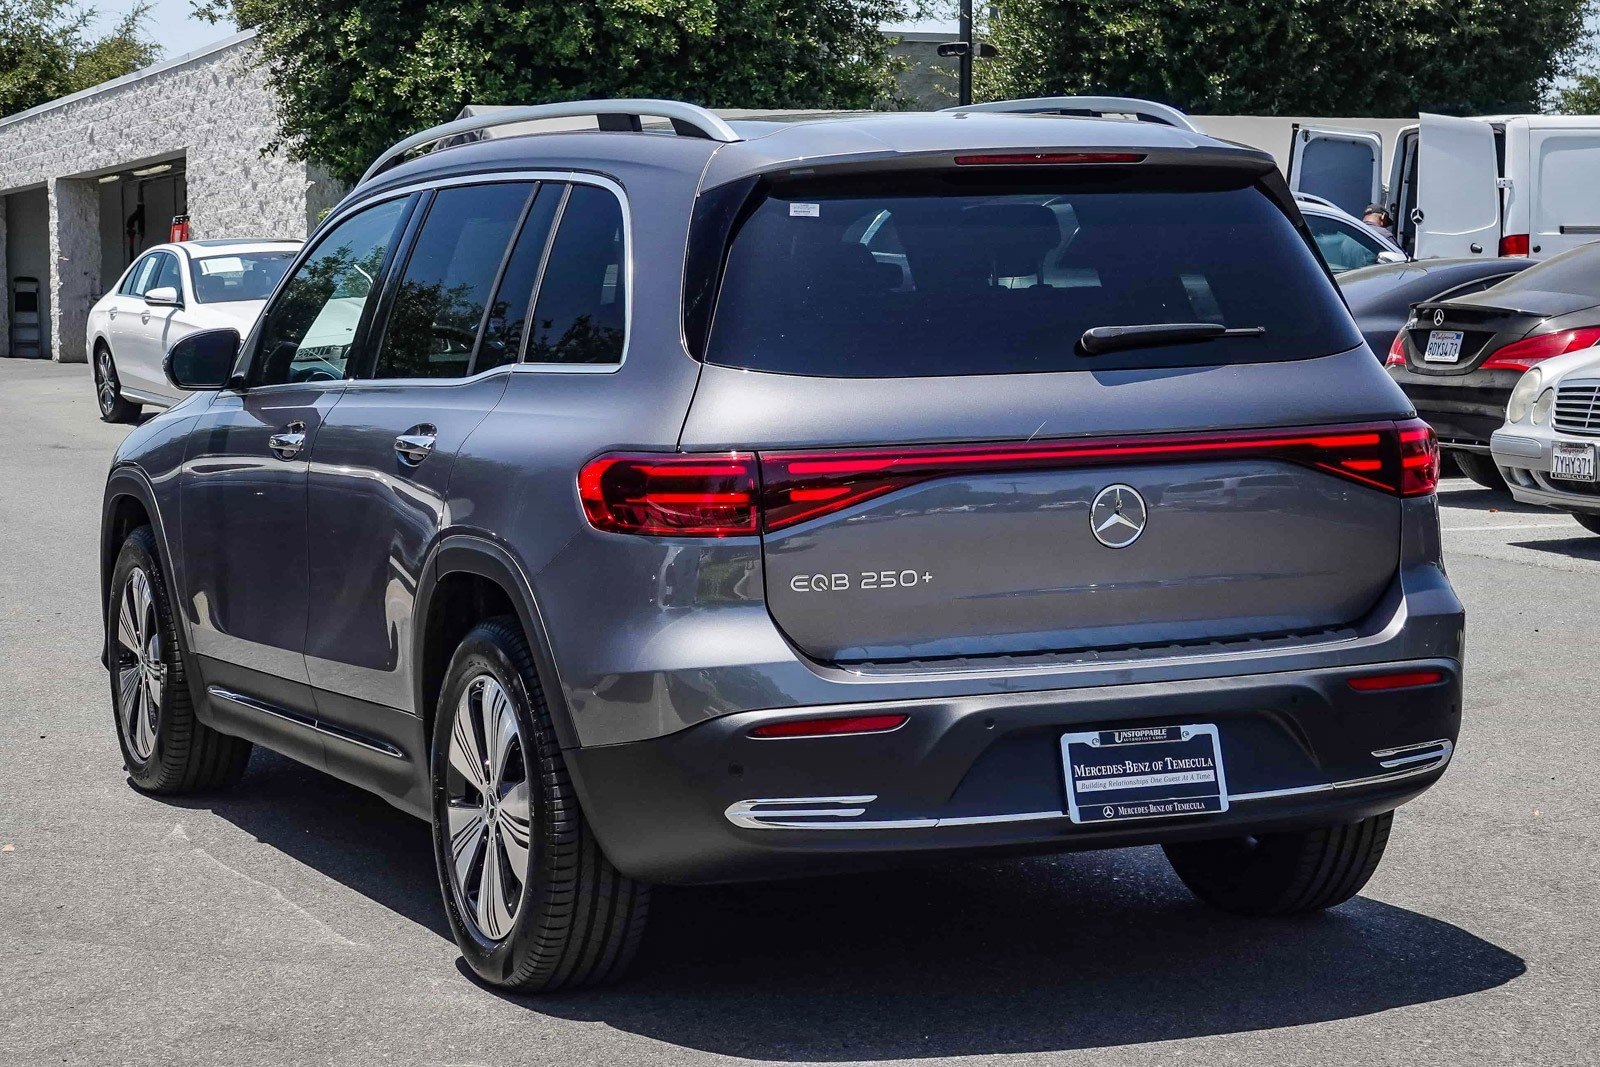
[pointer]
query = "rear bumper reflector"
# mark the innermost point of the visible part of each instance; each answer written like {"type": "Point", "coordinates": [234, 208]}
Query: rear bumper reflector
{"type": "Point", "coordinates": [1375, 683]}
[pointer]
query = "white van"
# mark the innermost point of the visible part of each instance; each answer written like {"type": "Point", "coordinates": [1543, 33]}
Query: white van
{"type": "Point", "coordinates": [1510, 185]}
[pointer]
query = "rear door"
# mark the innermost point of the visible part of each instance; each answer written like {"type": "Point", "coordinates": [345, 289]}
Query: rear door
{"type": "Point", "coordinates": [137, 365]}
{"type": "Point", "coordinates": [1564, 180]}
{"type": "Point", "coordinates": [947, 473]}
{"type": "Point", "coordinates": [1339, 165]}
{"type": "Point", "coordinates": [1458, 198]}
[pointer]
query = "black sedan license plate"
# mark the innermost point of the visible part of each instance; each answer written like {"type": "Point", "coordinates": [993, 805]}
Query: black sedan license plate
{"type": "Point", "coordinates": [1147, 773]}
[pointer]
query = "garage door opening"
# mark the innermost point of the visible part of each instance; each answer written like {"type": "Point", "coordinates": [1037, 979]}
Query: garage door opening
{"type": "Point", "coordinates": [140, 207]}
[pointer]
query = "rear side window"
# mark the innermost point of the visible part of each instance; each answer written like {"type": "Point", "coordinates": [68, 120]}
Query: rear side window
{"type": "Point", "coordinates": [444, 290]}
{"type": "Point", "coordinates": [1342, 245]}
{"type": "Point", "coordinates": [579, 315]}
{"type": "Point", "coordinates": [955, 283]}
{"type": "Point", "coordinates": [142, 277]}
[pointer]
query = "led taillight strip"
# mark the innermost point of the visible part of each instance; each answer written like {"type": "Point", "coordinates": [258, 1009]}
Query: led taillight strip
{"type": "Point", "coordinates": [739, 493]}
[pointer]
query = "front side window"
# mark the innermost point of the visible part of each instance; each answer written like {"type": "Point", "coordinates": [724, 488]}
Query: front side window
{"type": "Point", "coordinates": [581, 310]}
{"type": "Point", "coordinates": [445, 287]}
{"type": "Point", "coordinates": [942, 279]}
{"type": "Point", "coordinates": [167, 275]}
{"type": "Point", "coordinates": [1342, 245]}
{"type": "Point", "coordinates": [239, 276]}
{"type": "Point", "coordinates": [309, 330]}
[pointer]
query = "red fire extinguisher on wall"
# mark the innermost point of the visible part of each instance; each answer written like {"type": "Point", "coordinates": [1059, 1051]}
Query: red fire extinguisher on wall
{"type": "Point", "coordinates": [180, 228]}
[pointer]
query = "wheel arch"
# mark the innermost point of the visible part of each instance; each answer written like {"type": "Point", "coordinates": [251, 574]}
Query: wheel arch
{"type": "Point", "coordinates": [466, 579]}
{"type": "Point", "coordinates": [129, 503]}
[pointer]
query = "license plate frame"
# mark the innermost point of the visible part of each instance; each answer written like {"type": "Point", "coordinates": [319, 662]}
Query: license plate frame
{"type": "Point", "coordinates": [1573, 462]}
{"type": "Point", "coordinates": [1444, 346]}
{"type": "Point", "coordinates": [1128, 774]}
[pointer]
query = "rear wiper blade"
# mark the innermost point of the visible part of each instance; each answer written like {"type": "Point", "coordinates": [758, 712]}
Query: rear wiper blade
{"type": "Point", "coordinates": [1098, 339]}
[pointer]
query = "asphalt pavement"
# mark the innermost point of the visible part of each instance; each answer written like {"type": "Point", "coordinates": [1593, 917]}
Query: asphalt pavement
{"type": "Point", "coordinates": [296, 920]}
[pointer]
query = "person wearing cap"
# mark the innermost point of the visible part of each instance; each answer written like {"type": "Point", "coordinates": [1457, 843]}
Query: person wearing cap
{"type": "Point", "coordinates": [1377, 216]}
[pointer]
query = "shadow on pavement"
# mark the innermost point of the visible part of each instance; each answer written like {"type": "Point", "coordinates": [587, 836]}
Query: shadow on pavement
{"type": "Point", "coordinates": [1584, 547]}
{"type": "Point", "coordinates": [1489, 500]}
{"type": "Point", "coordinates": [1043, 954]}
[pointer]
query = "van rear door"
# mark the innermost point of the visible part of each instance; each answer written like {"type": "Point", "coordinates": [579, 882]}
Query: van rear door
{"type": "Point", "coordinates": [1564, 175]}
{"type": "Point", "coordinates": [1339, 165]}
{"type": "Point", "coordinates": [1458, 200]}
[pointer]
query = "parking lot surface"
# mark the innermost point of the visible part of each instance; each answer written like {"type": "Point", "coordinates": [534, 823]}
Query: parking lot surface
{"type": "Point", "coordinates": [296, 920]}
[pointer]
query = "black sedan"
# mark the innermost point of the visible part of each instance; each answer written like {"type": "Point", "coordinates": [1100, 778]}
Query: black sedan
{"type": "Point", "coordinates": [1458, 357]}
{"type": "Point", "coordinates": [1381, 296]}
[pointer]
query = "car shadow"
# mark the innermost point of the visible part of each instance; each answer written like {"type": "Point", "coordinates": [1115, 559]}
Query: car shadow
{"type": "Point", "coordinates": [1029, 955]}
{"type": "Point", "coordinates": [1586, 546]}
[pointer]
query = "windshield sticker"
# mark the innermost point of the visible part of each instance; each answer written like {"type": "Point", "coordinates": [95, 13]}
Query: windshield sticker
{"type": "Point", "coordinates": [807, 211]}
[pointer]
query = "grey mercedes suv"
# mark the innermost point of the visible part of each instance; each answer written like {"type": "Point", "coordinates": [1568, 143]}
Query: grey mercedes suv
{"type": "Point", "coordinates": [678, 501]}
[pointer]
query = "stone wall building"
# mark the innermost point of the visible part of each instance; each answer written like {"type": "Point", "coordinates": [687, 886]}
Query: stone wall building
{"type": "Point", "coordinates": [89, 181]}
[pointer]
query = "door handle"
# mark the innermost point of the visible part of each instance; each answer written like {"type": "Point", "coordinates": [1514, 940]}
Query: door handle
{"type": "Point", "coordinates": [415, 445]}
{"type": "Point", "coordinates": [144, 317]}
{"type": "Point", "coordinates": [287, 445]}
{"type": "Point", "coordinates": [113, 312]}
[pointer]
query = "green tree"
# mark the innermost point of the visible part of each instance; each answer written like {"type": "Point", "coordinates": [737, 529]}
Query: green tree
{"type": "Point", "coordinates": [1581, 97]}
{"type": "Point", "coordinates": [47, 50]}
{"type": "Point", "coordinates": [354, 76]}
{"type": "Point", "coordinates": [1289, 57]}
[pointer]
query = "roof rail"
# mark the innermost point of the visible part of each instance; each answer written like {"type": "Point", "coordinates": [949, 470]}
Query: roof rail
{"type": "Point", "coordinates": [1090, 107]}
{"type": "Point", "coordinates": [688, 120]}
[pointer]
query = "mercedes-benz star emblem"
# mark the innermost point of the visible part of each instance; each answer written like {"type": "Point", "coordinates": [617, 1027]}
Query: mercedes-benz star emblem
{"type": "Point", "coordinates": [1438, 318]}
{"type": "Point", "coordinates": [1118, 516]}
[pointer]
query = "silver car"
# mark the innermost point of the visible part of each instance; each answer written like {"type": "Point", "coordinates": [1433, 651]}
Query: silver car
{"type": "Point", "coordinates": [1546, 449]}
{"type": "Point", "coordinates": [678, 501]}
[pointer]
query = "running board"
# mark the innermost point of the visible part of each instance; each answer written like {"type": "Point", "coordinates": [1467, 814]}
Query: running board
{"type": "Point", "coordinates": [327, 729]}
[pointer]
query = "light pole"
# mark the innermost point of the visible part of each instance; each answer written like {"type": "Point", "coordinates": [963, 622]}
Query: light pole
{"type": "Point", "coordinates": [965, 91]}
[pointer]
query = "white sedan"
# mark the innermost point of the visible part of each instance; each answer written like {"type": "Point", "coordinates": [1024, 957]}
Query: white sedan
{"type": "Point", "coordinates": [169, 292]}
{"type": "Point", "coordinates": [1546, 449]}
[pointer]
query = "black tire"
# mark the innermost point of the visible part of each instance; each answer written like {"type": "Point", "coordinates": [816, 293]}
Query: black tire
{"type": "Point", "coordinates": [178, 753]}
{"type": "Point", "coordinates": [578, 920]}
{"type": "Point", "coordinates": [1481, 469]}
{"type": "Point", "coordinates": [1286, 873]}
{"type": "Point", "coordinates": [1588, 522]}
{"type": "Point", "coordinates": [108, 389]}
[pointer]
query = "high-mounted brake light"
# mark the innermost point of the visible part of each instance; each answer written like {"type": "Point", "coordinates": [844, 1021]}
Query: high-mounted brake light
{"type": "Point", "coordinates": [855, 724]}
{"type": "Point", "coordinates": [1377, 683]}
{"type": "Point", "coordinates": [1514, 244]}
{"type": "Point", "coordinates": [1015, 159]}
{"type": "Point", "coordinates": [736, 494]}
{"type": "Point", "coordinates": [1520, 355]}
{"type": "Point", "coordinates": [1397, 351]}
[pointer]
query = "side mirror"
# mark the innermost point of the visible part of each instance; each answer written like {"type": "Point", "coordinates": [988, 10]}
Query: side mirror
{"type": "Point", "coordinates": [163, 296]}
{"type": "Point", "coordinates": [1393, 257]}
{"type": "Point", "coordinates": [202, 360]}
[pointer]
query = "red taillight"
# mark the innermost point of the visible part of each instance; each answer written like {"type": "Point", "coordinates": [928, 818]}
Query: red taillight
{"type": "Point", "coordinates": [855, 724]}
{"type": "Point", "coordinates": [1013, 159]}
{"type": "Point", "coordinates": [1419, 459]}
{"type": "Point", "coordinates": [1514, 244]}
{"type": "Point", "coordinates": [1397, 351]}
{"type": "Point", "coordinates": [672, 496]}
{"type": "Point", "coordinates": [1520, 355]}
{"type": "Point", "coordinates": [735, 494]}
{"type": "Point", "coordinates": [1374, 683]}
{"type": "Point", "coordinates": [1400, 458]}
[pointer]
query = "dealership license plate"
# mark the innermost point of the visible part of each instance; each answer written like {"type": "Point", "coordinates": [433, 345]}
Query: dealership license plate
{"type": "Point", "coordinates": [1444, 346]}
{"type": "Point", "coordinates": [1149, 773]}
{"type": "Point", "coordinates": [1575, 463]}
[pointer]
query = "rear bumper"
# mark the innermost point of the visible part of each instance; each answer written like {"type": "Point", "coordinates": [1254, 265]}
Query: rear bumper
{"type": "Point", "coordinates": [983, 773]}
{"type": "Point", "coordinates": [1464, 410]}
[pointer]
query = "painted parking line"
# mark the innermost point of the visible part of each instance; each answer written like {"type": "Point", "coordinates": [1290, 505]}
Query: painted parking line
{"type": "Point", "coordinates": [1509, 526]}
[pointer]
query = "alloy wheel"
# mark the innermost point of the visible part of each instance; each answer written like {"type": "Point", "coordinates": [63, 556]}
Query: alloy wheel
{"type": "Point", "coordinates": [105, 375]}
{"type": "Point", "coordinates": [140, 670]}
{"type": "Point", "coordinates": [488, 808]}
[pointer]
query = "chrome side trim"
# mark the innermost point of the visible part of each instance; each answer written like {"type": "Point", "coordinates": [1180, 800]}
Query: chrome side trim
{"type": "Point", "coordinates": [779, 813]}
{"type": "Point", "coordinates": [328, 729]}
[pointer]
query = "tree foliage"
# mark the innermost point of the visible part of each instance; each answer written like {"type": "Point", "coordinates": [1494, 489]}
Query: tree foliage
{"type": "Point", "coordinates": [354, 76]}
{"type": "Point", "coordinates": [1288, 57]}
{"type": "Point", "coordinates": [1581, 97]}
{"type": "Point", "coordinates": [47, 50]}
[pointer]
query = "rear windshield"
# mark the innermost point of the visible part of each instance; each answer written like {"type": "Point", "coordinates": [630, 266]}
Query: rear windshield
{"type": "Point", "coordinates": [1576, 271]}
{"type": "Point", "coordinates": [947, 283]}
